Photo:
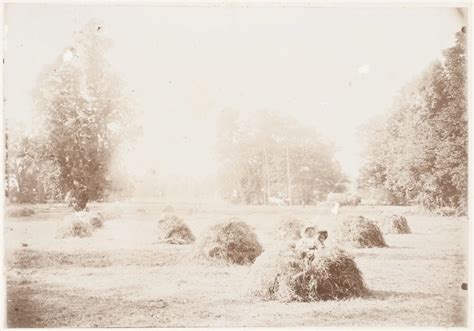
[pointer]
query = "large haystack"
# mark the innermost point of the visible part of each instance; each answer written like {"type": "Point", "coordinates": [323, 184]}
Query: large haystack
{"type": "Point", "coordinates": [395, 224]}
{"type": "Point", "coordinates": [290, 229]}
{"type": "Point", "coordinates": [81, 224]}
{"type": "Point", "coordinates": [359, 232]}
{"type": "Point", "coordinates": [285, 276]}
{"type": "Point", "coordinates": [19, 211]}
{"type": "Point", "coordinates": [231, 242]}
{"type": "Point", "coordinates": [173, 230]}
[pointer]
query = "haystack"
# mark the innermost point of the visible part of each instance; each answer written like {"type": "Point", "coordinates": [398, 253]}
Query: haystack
{"type": "Point", "coordinates": [359, 232]}
{"type": "Point", "coordinates": [290, 229]}
{"type": "Point", "coordinates": [231, 242]}
{"type": "Point", "coordinates": [395, 224]}
{"type": "Point", "coordinates": [168, 209]}
{"type": "Point", "coordinates": [332, 275]}
{"type": "Point", "coordinates": [173, 230]}
{"type": "Point", "coordinates": [75, 227]}
{"type": "Point", "coordinates": [19, 212]}
{"type": "Point", "coordinates": [81, 224]}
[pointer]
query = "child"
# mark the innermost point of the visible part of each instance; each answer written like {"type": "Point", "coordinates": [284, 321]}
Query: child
{"type": "Point", "coordinates": [306, 246]}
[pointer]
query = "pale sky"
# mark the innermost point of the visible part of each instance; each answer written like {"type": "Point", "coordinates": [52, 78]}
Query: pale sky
{"type": "Point", "coordinates": [331, 68]}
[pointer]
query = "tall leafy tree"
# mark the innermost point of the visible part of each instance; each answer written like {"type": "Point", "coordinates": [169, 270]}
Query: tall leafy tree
{"type": "Point", "coordinates": [84, 112]}
{"type": "Point", "coordinates": [424, 138]}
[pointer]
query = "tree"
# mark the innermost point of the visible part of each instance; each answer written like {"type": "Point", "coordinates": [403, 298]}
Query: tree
{"type": "Point", "coordinates": [273, 158]}
{"type": "Point", "coordinates": [424, 159]}
{"type": "Point", "coordinates": [84, 112]}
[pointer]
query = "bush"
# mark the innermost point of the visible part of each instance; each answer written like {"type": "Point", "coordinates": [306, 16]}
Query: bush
{"type": "Point", "coordinates": [359, 232]}
{"type": "Point", "coordinates": [231, 242]}
{"type": "Point", "coordinates": [20, 212]}
{"type": "Point", "coordinates": [290, 229]}
{"type": "Point", "coordinates": [395, 224]}
{"type": "Point", "coordinates": [332, 275]}
{"type": "Point", "coordinates": [173, 230]}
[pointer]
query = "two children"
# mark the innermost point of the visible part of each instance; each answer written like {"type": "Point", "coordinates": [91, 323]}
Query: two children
{"type": "Point", "coordinates": [311, 241]}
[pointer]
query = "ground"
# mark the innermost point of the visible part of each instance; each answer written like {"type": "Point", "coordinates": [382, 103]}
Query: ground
{"type": "Point", "coordinates": [123, 277]}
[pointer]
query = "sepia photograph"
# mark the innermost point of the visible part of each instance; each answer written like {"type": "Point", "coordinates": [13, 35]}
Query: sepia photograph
{"type": "Point", "coordinates": [233, 164]}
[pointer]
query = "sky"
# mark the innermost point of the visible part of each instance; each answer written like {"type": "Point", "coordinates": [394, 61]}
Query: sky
{"type": "Point", "coordinates": [330, 68]}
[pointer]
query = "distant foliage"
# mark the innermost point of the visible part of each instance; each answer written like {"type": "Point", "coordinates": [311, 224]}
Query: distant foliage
{"type": "Point", "coordinates": [84, 113]}
{"type": "Point", "coordinates": [270, 159]}
{"type": "Point", "coordinates": [424, 155]}
{"type": "Point", "coordinates": [29, 179]}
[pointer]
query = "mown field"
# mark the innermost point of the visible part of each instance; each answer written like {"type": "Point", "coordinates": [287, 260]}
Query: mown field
{"type": "Point", "coordinates": [122, 277]}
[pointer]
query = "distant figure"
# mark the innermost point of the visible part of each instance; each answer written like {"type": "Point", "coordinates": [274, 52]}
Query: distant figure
{"type": "Point", "coordinates": [335, 209]}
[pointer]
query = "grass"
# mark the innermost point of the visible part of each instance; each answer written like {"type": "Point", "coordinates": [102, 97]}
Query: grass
{"type": "Point", "coordinates": [120, 277]}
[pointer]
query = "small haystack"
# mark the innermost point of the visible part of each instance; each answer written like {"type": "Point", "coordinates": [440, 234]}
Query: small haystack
{"type": "Point", "coordinates": [285, 276]}
{"type": "Point", "coordinates": [290, 229]}
{"type": "Point", "coordinates": [168, 209]}
{"type": "Point", "coordinates": [20, 211]}
{"type": "Point", "coordinates": [81, 224]}
{"type": "Point", "coordinates": [360, 232]}
{"type": "Point", "coordinates": [395, 224]}
{"type": "Point", "coordinates": [173, 230]}
{"type": "Point", "coordinates": [231, 242]}
{"type": "Point", "coordinates": [74, 227]}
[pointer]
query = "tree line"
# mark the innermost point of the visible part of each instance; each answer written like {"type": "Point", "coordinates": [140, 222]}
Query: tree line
{"type": "Point", "coordinates": [418, 153]}
{"type": "Point", "coordinates": [272, 159]}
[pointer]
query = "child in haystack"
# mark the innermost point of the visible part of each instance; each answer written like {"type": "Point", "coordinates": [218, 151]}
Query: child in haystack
{"type": "Point", "coordinates": [311, 241]}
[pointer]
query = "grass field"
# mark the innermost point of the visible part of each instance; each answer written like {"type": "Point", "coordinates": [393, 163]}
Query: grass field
{"type": "Point", "coordinates": [121, 276]}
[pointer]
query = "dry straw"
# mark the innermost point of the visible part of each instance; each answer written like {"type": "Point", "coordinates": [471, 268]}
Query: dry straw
{"type": "Point", "coordinates": [290, 229]}
{"type": "Point", "coordinates": [20, 212]}
{"type": "Point", "coordinates": [231, 242]}
{"type": "Point", "coordinates": [332, 275]}
{"type": "Point", "coordinates": [359, 232]}
{"type": "Point", "coordinates": [395, 224]}
{"type": "Point", "coordinates": [81, 224]}
{"type": "Point", "coordinates": [173, 230]}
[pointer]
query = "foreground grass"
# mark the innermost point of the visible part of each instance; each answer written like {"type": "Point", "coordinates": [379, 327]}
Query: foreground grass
{"type": "Point", "coordinates": [121, 277]}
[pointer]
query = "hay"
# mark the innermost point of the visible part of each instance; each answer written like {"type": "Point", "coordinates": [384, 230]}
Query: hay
{"type": "Point", "coordinates": [395, 224]}
{"type": "Point", "coordinates": [168, 209]}
{"type": "Point", "coordinates": [81, 224]}
{"type": "Point", "coordinates": [231, 242]}
{"type": "Point", "coordinates": [75, 227]}
{"type": "Point", "coordinates": [359, 232]}
{"type": "Point", "coordinates": [290, 229]}
{"type": "Point", "coordinates": [332, 275]}
{"type": "Point", "coordinates": [20, 212]}
{"type": "Point", "coordinates": [173, 230]}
